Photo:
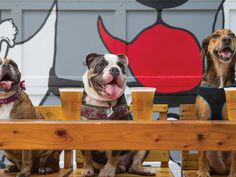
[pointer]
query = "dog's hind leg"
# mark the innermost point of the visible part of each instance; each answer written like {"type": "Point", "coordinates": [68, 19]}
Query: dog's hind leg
{"type": "Point", "coordinates": [121, 165]}
{"type": "Point", "coordinates": [203, 165]}
{"type": "Point", "coordinates": [233, 165]}
{"type": "Point", "coordinates": [26, 164]}
{"type": "Point", "coordinates": [88, 170]}
{"type": "Point", "coordinates": [46, 165]}
{"type": "Point", "coordinates": [137, 167]}
{"type": "Point", "coordinates": [14, 157]}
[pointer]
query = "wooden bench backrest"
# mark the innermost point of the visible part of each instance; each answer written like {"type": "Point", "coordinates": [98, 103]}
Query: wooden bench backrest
{"type": "Point", "coordinates": [50, 112]}
{"type": "Point", "coordinates": [55, 113]}
{"type": "Point", "coordinates": [189, 158]}
{"type": "Point", "coordinates": [187, 112]}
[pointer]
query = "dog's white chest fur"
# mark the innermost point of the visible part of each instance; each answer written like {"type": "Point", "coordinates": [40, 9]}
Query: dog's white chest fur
{"type": "Point", "coordinates": [5, 110]}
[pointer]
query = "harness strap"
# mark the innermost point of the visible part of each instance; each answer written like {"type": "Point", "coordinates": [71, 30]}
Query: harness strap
{"type": "Point", "coordinates": [100, 113]}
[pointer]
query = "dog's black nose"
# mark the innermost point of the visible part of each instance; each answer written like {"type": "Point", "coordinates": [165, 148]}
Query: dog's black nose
{"type": "Point", "coordinates": [5, 66]}
{"type": "Point", "coordinates": [226, 40]}
{"type": "Point", "coordinates": [114, 72]}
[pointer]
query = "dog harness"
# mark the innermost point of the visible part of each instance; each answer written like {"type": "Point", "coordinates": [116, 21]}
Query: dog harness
{"type": "Point", "coordinates": [14, 96]}
{"type": "Point", "coordinates": [215, 97]}
{"type": "Point", "coordinates": [100, 113]}
{"type": "Point", "coordinates": [117, 112]}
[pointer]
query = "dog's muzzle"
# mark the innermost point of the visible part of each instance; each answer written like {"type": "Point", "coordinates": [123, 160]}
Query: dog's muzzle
{"type": "Point", "coordinates": [111, 85]}
{"type": "Point", "coordinates": [114, 72]}
{"type": "Point", "coordinates": [7, 81]}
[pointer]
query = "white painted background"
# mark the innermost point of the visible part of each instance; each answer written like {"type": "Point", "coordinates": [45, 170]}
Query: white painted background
{"type": "Point", "coordinates": [230, 14]}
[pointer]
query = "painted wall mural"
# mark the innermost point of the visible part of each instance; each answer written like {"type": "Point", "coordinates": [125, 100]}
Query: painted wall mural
{"type": "Point", "coordinates": [31, 53]}
{"type": "Point", "coordinates": [159, 49]}
{"type": "Point", "coordinates": [163, 48]}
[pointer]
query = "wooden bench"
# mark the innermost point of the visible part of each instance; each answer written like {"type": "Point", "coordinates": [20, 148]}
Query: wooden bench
{"type": "Point", "coordinates": [189, 165]}
{"type": "Point", "coordinates": [56, 113]}
{"type": "Point", "coordinates": [68, 135]}
{"type": "Point", "coordinates": [163, 135]}
{"type": "Point", "coordinates": [154, 155]}
{"type": "Point", "coordinates": [52, 113]}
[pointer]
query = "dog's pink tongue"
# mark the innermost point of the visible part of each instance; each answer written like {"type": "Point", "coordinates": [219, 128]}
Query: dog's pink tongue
{"type": "Point", "coordinates": [226, 54]}
{"type": "Point", "coordinates": [6, 85]}
{"type": "Point", "coordinates": [113, 90]}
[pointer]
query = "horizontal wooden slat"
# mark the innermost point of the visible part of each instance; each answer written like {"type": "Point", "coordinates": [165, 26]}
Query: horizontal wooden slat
{"type": "Point", "coordinates": [158, 156]}
{"type": "Point", "coordinates": [51, 112]}
{"type": "Point", "coordinates": [187, 112]}
{"type": "Point", "coordinates": [61, 173]}
{"type": "Point", "coordinates": [155, 108]}
{"type": "Point", "coordinates": [160, 172]}
{"type": "Point", "coordinates": [161, 135]}
{"type": "Point", "coordinates": [193, 173]}
{"type": "Point", "coordinates": [189, 155]}
{"type": "Point", "coordinates": [189, 165]}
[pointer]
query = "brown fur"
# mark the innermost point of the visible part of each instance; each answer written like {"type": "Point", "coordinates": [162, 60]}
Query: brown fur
{"type": "Point", "coordinates": [25, 161]}
{"type": "Point", "coordinates": [40, 158]}
{"type": "Point", "coordinates": [217, 74]}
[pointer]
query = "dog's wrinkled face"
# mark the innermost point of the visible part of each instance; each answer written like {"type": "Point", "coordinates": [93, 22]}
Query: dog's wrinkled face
{"type": "Point", "coordinates": [221, 45]}
{"type": "Point", "coordinates": [9, 75]}
{"type": "Point", "coordinates": [106, 75]}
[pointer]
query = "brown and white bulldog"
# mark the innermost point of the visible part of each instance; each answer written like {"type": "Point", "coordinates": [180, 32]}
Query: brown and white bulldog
{"type": "Point", "coordinates": [15, 104]}
{"type": "Point", "coordinates": [104, 86]}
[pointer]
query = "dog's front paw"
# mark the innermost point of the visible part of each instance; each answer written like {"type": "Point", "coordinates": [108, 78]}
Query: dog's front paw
{"type": "Point", "coordinates": [45, 170]}
{"type": "Point", "coordinates": [107, 171]}
{"type": "Point", "coordinates": [23, 174]}
{"type": "Point", "coordinates": [11, 168]}
{"type": "Point", "coordinates": [142, 170]}
{"type": "Point", "coordinates": [203, 174]}
{"type": "Point", "coordinates": [87, 172]}
{"type": "Point", "coordinates": [120, 169]}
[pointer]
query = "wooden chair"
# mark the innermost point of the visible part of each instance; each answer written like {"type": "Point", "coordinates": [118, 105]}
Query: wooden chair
{"type": "Point", "coordinates": [189, 164]}
{"type": "Point", "coordinates": [52, 113]}
{"type": "Point", "coordinates": [154, 156]}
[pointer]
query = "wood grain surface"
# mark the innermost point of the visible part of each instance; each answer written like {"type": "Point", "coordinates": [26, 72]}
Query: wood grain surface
{"type": "Point", "coordinates": [156, 135]}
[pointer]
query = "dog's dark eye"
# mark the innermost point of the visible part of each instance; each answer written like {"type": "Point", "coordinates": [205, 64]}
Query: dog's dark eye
{"type": "Point", "coordinates": [231, 35]}
{"type": "Point", "coordinates": [122, 67]}
{"type": "Point", "coordinates": [12, 64]}
{"type": "Point", "coordinates": [100, 66]}
{"type": "Point", "coordinates": [215, 36]}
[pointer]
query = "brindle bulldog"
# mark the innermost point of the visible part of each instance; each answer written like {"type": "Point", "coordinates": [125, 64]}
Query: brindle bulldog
{"type": "Point", "coordinates": [15, 104]}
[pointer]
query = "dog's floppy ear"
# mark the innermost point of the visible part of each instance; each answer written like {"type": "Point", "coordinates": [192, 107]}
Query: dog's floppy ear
{"type": "Point", "coordinates": [123, 58]}
{"type": "Point", "coordinates": [90, 58]}
{"type": "Point", "coordinates": [204, 49]}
